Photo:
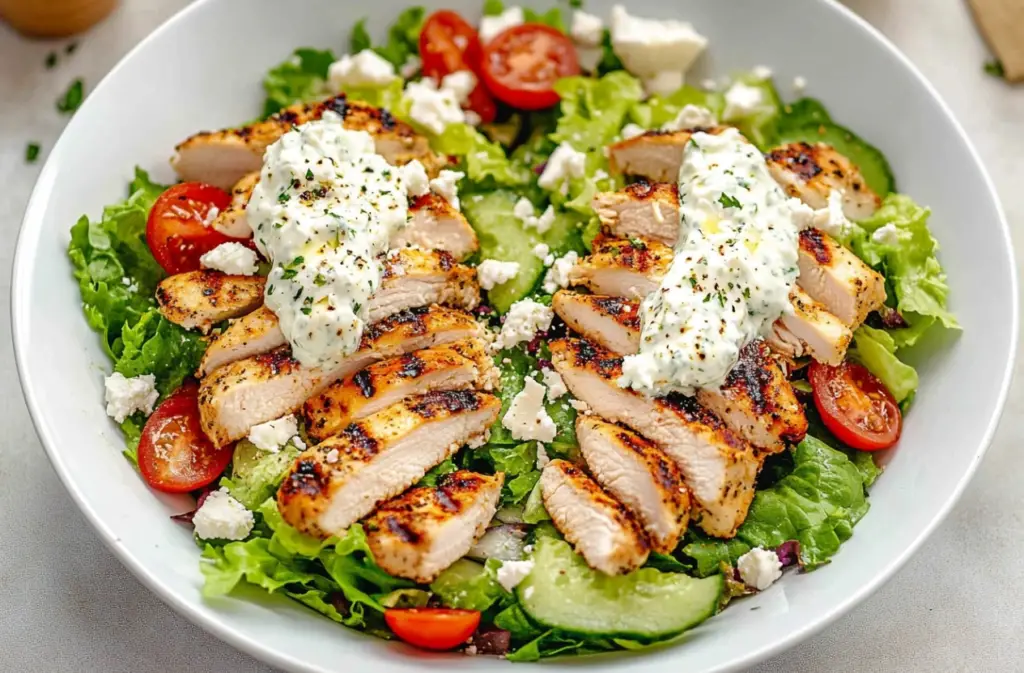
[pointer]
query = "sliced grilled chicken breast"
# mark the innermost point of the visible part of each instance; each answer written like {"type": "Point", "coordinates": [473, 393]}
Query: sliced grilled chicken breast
{"type": "Point", "coordinates": [838, 279]}
{"type": "Point", "coordinates": [655, 155]}
{"type": "Point", "coordinates": [719, 466]}
{"type": "Point", "coordinates": [756, 400]}
{"type": "Point", "coordinates": [261, 388]}
{"type": "Point", "coordinates": [643, 209]}
{"type": "Point", "coordinates": [411, 278]}
{"type": "Point", "coordinates": [599, 527]}
{"type": "Point", "coordinates": [200, 299]}
{"type": "Point", "coordinates": [232, 221]}
{"type": "Point", "coordinates": [459, 365]}
{"type": "Point", "coordinates": [435, 225]}
{"type": "Point", "coordinates": [222, 158]}
{"type": "Point", "coordinates": [631, 268]}
{"type": "Point", "coordinates": [423, 531]}
{"type": "Point", "coordinates": [336, 483]}
{"type": "Point", "coordinates": [810, 330]}
{"type": "Point", "coordinates": [811, 172]}
{"type": "Point", "coordinates": [640, 476]}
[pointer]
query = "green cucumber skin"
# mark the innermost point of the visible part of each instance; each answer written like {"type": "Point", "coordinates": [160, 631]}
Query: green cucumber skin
{"type": "Point", "coordinates": [869, 159]}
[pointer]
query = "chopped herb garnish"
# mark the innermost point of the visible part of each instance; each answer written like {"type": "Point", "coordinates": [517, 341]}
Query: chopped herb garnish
{"type": "Point", "coordinates": [70, 49]}
{"type": "Point", "coordinates": [306, 310]}
{"type": "Point", "coordinates": [637, 244]}
{"type": "Point", "coordinates": [729, 201]}
{"type": "Point", "coordinates": [283, 197]}
{"type": "Point", "coordinates": [51, 60]}
{"type": "Point", "coordinates": [320, 280]}
{"type": "Point", "coordinates": [356, 306]}
{"type": "Point", "coordinates": [32, 152]}
{"type": "Point", "coordinates": [995, 68]}
{"type": "Point", "coordinates": [309, 173]}
{"type": "Point", "coordinates": [72, 98]}
{"type": "Point", "coordinates": [288, 274]}
{"type": "Point", "coordinates": [746, 293]}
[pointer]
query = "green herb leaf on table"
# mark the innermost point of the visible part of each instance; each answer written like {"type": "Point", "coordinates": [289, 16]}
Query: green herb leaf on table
{"type": "Point", "coordinates": [72, 98]}
{"type": "Point", "coordinates": [32, 152]}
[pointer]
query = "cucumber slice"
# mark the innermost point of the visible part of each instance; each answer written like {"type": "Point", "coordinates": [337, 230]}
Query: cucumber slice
{"type": "Point", "coordinates": [562, 592]}
{"type": "Point", "coordinates": [802, 112]}
{"type": "Point", "coordinates": [869, 159]}
{"type": "Point", "coordinates": [503, 237]}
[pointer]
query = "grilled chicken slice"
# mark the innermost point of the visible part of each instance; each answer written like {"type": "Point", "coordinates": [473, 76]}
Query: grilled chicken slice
{"type": "Point", "coordinates": [640, 476]}
{"type": "Point", "coordinates": [600, 528]}
{"type": "Point", "coordinates": [810, 330]}
{"type": "Point", "coordinates": [232, 221]}
{"type": "Point", "coordinates": [222, 158]}
{"type": "Point", "coordinates": [460, 365]}
{"type": "Point", "coordinates": [838, 279]}
{"type": "Point", "coordinates": [646, 209]}
{"type": "Point", "coordinates": [336, 483]}
{"type": "Point", "coordinates": [435, 225]}
{"type": "Point", "coordinates": [200, 299]}
{"type": "Point", "coordinates": [631, 268]}
{"type": "Point", "coordinates": [756, 400]}
{"type": "Point", "coordinates": [811, 172]}
{"type": "Point", "coordinates": [261, 388]}
{"type": "Point", "coordinates": [423, 531]}
{"type": "Point", "coordinates": [655, 155]}
{"type": "Point", "coordinates": [411, 278]}
{"type": "Point", "coordinates": [719, 466]}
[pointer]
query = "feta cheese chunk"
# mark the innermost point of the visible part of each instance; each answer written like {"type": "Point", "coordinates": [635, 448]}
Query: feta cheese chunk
{"type": "Point", "coordinates": [411, 66]}
{"type": "Point", "coordinates": [632, 130]}
{"type": "Point", "coordinates": [273, 435]}
{"type": "Point", "coordinates": [759, 568]}
{"type": "Point", "coordinates": [433, 108]}
{"type": "Point", "coordinates": [556, 386]}
{"type": "Point", "coordinates": [524, 319]}
{"type": "Point", "coordinates": [527, 419]}
{"type": "Point", "coordinates": [541, 251]}
{"type": "Point", "coordinates": [414, 177]}
{"type": "Point", "coordinates": [446, 186]}
{"type": "Point", "coordinates": [511, 573]}
{"type": "Point", "coordinates": [523, 209]}
{"type": "Point", "coordinates": [885, 235]}
{"type": "Point", "coordinates": [231, 258]}
{"type": "Point", "coordinates": [647, 46]}
{"type": "Point", "coordinates": [799, 84]}
{"type": "Point", "coordinates": [691, 117]}
{"type": "Point", "coordinates": [461, 83]}
{"type": "Point", "coordinates": [222, 518]}
{"type": "Point", "coordinates": [558, 275]}
{"type": "Point", "coordinates": [762, 72]}
{"type": "Point", "coordinates": [742, 101]}
{"type": "Point", "coordinates": [366, 68]}
{"type": "Point", "coordinates": [831, 219]}
{"type": "Point", "coordinates": [493, 272]}
{"type": "Point", "coordinates": [564, 164]}
{"type": "Point", "coordinates": [125, 396]}
{"type": "Point", "coordinates": [491, 26]}
{"type": "Point", "coordinates": [542, 456]}
{"type": "Point", "coordinates": [664, 83]}
{"type": "Point", "coordinates": [587, 29]}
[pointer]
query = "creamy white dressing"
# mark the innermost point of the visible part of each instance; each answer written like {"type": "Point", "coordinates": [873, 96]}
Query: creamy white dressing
{"type": "Point", "coordinates": [323, 211]}
{"type": "Point", "coordinates": [733, 269]}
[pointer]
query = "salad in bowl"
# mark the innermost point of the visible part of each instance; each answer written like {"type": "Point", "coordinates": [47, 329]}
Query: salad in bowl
{"type": "Point", "coordinates": [503, 337]}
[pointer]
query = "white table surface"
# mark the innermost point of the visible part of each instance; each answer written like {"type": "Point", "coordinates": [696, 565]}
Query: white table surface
{"type": "Point", "coordinates": [67, 604]}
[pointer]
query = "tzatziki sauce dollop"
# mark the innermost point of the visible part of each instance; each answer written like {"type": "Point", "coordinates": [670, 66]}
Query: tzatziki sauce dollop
{"type": "Point", "coordinates": [323, 211]}
{"type": "Point", "coordinates": [734, 266]}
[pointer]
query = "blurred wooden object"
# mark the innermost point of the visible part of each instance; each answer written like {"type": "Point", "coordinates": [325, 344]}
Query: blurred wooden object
{"type": "Point", "coordinates": [54, 18]}
{"type": "Point", "coordinates": [1002, 24]}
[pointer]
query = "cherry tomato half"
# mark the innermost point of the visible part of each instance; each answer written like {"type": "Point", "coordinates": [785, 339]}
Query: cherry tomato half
{"type": "Point", "coordinates": [174, 454]}
{"type": "Point", "coordinates": [522, 64]}
{"type": "Point", "coordinates": [449, 44]}
{"type": "Point", "coordinates": [433, 628]}
{"type": "Point", "coordinates": [177, 230]}
{"type": "Point", "coordinates": [856, 407]}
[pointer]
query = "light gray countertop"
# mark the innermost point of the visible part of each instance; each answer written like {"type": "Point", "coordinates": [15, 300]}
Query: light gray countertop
{"type": "Point", "coordinates": [67, 604]}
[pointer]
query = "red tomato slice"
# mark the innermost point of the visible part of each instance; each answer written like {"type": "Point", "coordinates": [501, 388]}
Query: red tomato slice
{"type": "Point", "coordinates": [522, 64]}
{"type": "Point", "coordinates": [175, 231]}
{"type": "Point", "coordinates": [856, 407]}
{"type": "Point", "coordinates": [433, 628]}
{"type": "Point", "coordinates": [174, 454]}
{"type": "Point", "coordinates": [449, 44]}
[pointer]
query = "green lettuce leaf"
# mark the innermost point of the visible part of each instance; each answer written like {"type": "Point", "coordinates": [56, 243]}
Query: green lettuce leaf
{"type": "Point", "coordinates": [256, 474]}
{"type": "Point", "coordinates": [876, 350]}
{"type": "Point", "coordinates": [403, 36]}
{"type": "Point", "coordinates": [469, 586]}
{"type": "Point", "coordinates": [485, 161]}
{"type": "Point", "coordinates": [552, 17]}
{"type": "Point", "coordinates": [519, 463]}
{"type": "Point", "coordinates": [657, 111]}
{"type": "Point", "coordinates": [430, 478]}
{"type": "Point", "coordinates": [301, 77]}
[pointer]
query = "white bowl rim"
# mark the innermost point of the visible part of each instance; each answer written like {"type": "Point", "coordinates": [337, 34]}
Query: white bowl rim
{"type": "Point", "coordinates": [19, 305]}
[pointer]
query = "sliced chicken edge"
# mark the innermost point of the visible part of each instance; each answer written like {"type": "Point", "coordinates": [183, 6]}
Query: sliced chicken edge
{"type": "Point", "coordinates": [838, 279]}
{"type": "Point", "coordinates": [810, 172]}
{"type": "Point", "coordinates": [201, 299]}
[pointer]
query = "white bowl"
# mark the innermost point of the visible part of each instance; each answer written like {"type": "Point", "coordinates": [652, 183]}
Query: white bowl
{"type": "Point", "coordinates": [202, 70]}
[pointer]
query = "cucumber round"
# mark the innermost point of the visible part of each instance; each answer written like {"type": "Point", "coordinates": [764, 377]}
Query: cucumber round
{"type": "Point", "coordinates": [563, 593]}
{"type": "Point", "coordinates": [802, 112]}
{"type": "Point", "coordinates": [871, 162]}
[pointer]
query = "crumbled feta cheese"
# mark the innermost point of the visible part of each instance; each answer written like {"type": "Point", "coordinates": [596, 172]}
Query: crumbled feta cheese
{"type": "Point", "coordinates": [542, 456]}
{"type": "Point", "coordinates": [461, 83]}
{"type": "Point", "coordinates": [222, 518]}
{"type": "Point", "coordinates": [472, 118]}
{"type": "Point", "coordinates": [411, 66]}
{"type": "Point", "coordinates": [759, 568]}
{"type": "Point", "coordinates": [332, 457]}
{"type": "Point", "coordinates": [565, 163]}
{"type": "Point", "coordinates": [492, 272]}
{"type": "Point", "coordinates": [555, 384]}
{"type": "Point", "coordinates": [431, 107]}
{"type": "Point", "coordinates": [541, 250]}
{"type": "Point", "coordinates": [580, 406]}
{"type": "Point", "coordinates": [414, 177]}
{"type": "Point", "coordinates": [549, 259]}
{"type": "Point", "coordinates": [741, 101]}
{"type": "Point", "coordinates": [527, 419]}
{"type": "Point", "coordinates": [632, 130]}
{"type": "Point", "coordinates": [663, 83]}
{"type": "Point", "coordinates": [525, 318]}
{"type": "Point", "coordinates": [445, 185]}
{"type": "Point", "coordinates": [831, 219]}
{"type": "Point", "coordinates": [709, 84]}
{"type": "Point", "coordinates": [762, 72]}
{"type": "Point", "coordinates": [589, 57]}
{"type": "Point", "coordinates": [523, 209]}
{"type": "Point", "coordinates": [471, 650]}
{"type": "Point", "coordinates": [273, 435]}
{"type": "Point", "coordinates": [511, 573]}
{"type": "Point", "coordinates": [546, 219]}
{"type": "Point", "coordinates": [367, 68]}
{"type": "Point", "coordinates": [600, 174]}
{"type": "Point", "coordinates": [646, 46]}
{"type": "Point", "coordinates": [587, 29]}
{"type": "Point", "coordinates": [231, 258]}
{"type": "Point", "coordinates": [125, 396]}
{"type": "Point", "coordinates": [558, 275]}
{"type": "Point", "coordinates": [691, 117]}
{"type": "Point", "coordinates": [799, 84]}
{"type": "Point", "coordinates": [491, 26]}
{"type": "Point", "coordinates": [886, 235]}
